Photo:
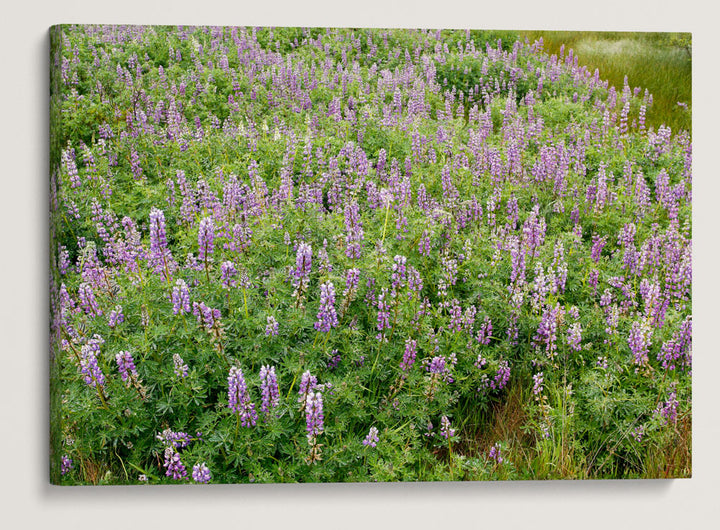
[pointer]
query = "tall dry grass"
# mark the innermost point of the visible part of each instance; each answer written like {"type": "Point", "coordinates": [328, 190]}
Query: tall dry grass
{"type": "Point", "coordinates": [660, 62]}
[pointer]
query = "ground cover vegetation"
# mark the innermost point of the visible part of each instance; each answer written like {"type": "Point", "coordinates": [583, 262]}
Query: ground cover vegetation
{"type": "Point", "coordinates": [300, 255]}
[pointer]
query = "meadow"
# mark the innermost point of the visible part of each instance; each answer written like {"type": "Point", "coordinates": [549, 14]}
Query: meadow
{"type": "Point", "coordinates": [330, 255]}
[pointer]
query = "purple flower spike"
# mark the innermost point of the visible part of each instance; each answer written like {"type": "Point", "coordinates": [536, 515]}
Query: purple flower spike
{"type": "Point", "coordinates": [66, 465]}
{"type": "Point", "coordinates": [372, 438]}
{"type": "Point", "coordinates": [125, 364]}
{"type": "Point", "coordinates": [181, 298]}
{"type": "Point", "coordinates": [326, 317]}
{"type": "Point", "coordinates": [314, 417]}
{"type": "Point", "coordinates": [206, 239]}
{"type": "Point", "coordinates": [174, 467]}
{"type": "Point", "coordinates": [239, 399]}
{"type": "Point", "coordinates": [201, 473]}
{"type": "Point", "coordinates": [269, 389]}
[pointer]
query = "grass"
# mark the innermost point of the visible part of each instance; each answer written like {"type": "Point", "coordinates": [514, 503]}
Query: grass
{"type": "Point", "coordinates": [660, 62]}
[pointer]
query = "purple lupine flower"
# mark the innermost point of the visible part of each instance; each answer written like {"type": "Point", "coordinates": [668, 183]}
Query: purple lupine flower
{"type": "Point", "coordinates": [597, 246]}
{"type": "Point", "coordinates": [175, 440]}
{"type": "Point", "coordinates": [334, 360]}
{"type": "Point", "coordinates": [89, 368]}
{"type": "Point", "coordinates": [205, 315]}
{"type": "Point", "coordinates": [116, 316]}
{"type": "Point", "coordinates": [314, 417]}
{"type": "Point", "coordinates": [494, 453]}
{"type": "Point", "coordinates": [668, 409]}
{"type": "Point", "coordinates": [484, 334]}
{"type": "Point", "coordinates": [538, 380]}
{"type": "Point", "coordinates": [174, 466]}
{"type": "Point", "coordinates": [446, 430]}
{"type": "Point", "coordinates": [409, 356]}
{"type": "Point", "coordinates": [372, 437]}
{"type": "Point", "coordinates": [160, 255]}
{"type": "Point", "coordinates": [227, 273]}
{"type": "Point", "coordinates": [180, 298]}
{"type": "Point", "coordinates": [449, 275]}
{"type": "Point", "coordinates": [501, 378]}
{"type": "Point", "coordinates": [308, 382]}
{"type": "Point", "coordinates": [326, 317]}
{"type": "Point", "coordinates": [424, 244]}
{"type": "Point", "coordinates": [303, 264]}
{"type": "Point", "coordinates": [352, 278]}
{"type": "Point", "coordinates": [181, 369]}
{"type": "Point", "coordinates": [354, 228]}
{"type": "Point", "coordinates": [399, 273]}
{"type": "Point", "coordinates": [88, 301]}
{"type": "Point", "coordinates": [678, 349]}
{"type": "Point", "coordinates": [383, 316]}
{"type": "Point", "coordinates": [639, 341]}
{"type": "Point", "coordinates": [272, 326]}
{"type": "Point", "coordinates": [414, 282]}
{"type": "Point", "coordinates": [239, 399]}
{"type": "Point", "coordinates": [547, 330]}
{"type": "Point", "coordinates": [126, 365]}
{"type": "Point", "coordinates": [63, 259]}
{"type": "Point", "coordinates": [206, 239]}
{"type": "Point", "coordinates": [574, 336]}
{"type": "Point", "coordinates": [534, 231]}
{"type": "Point", "coordinates": [269, 389]}
{"type": "Point", "coordinates": [201, 473]}
{"type": "Point", "coordinates": [66, 464]}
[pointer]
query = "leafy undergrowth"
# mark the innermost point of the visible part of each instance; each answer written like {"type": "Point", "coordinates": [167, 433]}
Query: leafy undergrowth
{"type": "Point", "coordinates": [296, 255]}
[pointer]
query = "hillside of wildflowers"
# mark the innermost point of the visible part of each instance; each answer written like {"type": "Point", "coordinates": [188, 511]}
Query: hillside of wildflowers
{"type": "Point", "coordinates": [329, 255]}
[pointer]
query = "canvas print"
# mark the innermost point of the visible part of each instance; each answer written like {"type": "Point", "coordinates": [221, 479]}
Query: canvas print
{"type": "Point", "coordinates": [365, 255]}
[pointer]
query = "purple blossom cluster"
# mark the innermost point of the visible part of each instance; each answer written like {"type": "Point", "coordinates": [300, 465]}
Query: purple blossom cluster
{"type": "Point", "coordinates": [239, 398]}
{"type": "Point", "coordinates": [269, 391]}
{"type": "Point", "coordinates": [314, 417]}
{"type": "Point", "coordinates": [126, 365]}
{"type": "Point", "coordinates": [180, 298]}
{"type": "Point", "coordinates": [372, 438]}
{"type": "Point", "coordinates": [326, 317]}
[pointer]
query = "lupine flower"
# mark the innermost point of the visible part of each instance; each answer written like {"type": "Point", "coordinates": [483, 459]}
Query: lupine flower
{"type": "Point", "coordinates": [446, 431]}
{"type": "Point", "coordinates": [181, 369]}
{"type": "Point", "coordinates": [639, 341]}
{"type": "Point", "coordinates": [176, 440]}
{"type": "Point", "coordinates": [205, 315]}
{"type": "Point", "coordinates": [409, 356]}
{"type": "Point", "coordinates": [538, 380]}
{"type": "Point", "coordinates": [66, 464]}
{"type": "Point", "coordinates": [372, 437]}
{"type": "Point", "coordinates": [239, 399]}
{"type": "Point", "coordinates": [88, 301]}
{"type": "Point", "coordinates": [668, 409]}
{"type": "Point", "coordinates": [268, 389]}
{"type": "Point", "coordinates": [160, 257]}
{"type": "Point", "coordinates": [206, 239]}
{"type": "Point", "coordinates": [314, 417]}
{"type": "Point", "coordinates": [303, 265]}
{"type": "Point", "coordinates": [227, 273]}
{"type": "Point", "coordinates": [272, 326]}
{"type": "Point", "coordinates": [180, 298]}
{"type": "Point", "coordinates": [308, 382]}
{"type": "Point", "coordinates": [574, 336]}
{"type": "Point", "coordinates": [116, 317]}
{"type": "Point", "coordinates": [494, 453]}
{"type": "Point", "coordinates": [89, 368]}
{"type": "Point", "coordinates": [355, 234]}
{"type": "Point", "coordinates": [126, 365]}
{"type": "Point", "coordinates": [326, 317]}
{"type": "Point", "coordinates": [173, 465]}
{"type": "Point", "coordinates": [201, 473]}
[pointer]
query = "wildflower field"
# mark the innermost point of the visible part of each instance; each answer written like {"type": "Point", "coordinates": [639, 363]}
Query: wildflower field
{"type": "Point", "coordinates": [331, 255]}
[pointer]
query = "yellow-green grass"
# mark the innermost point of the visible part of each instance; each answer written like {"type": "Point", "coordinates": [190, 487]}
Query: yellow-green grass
{"type": "Point", "coordinates": [659, 62]}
